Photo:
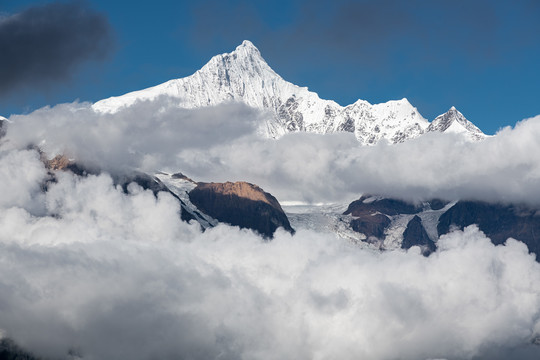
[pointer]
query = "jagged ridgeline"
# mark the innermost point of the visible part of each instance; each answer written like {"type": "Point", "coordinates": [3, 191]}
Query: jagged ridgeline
{"type": "Point", "coordinates": [244, 76]}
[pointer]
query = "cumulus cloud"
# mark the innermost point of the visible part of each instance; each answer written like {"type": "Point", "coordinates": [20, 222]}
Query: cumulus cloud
{"type": "Point", "coordinates": [21, 173]}
{"type": "Point", "coordinates": [44, 44]}
{"type": "Point", "coordinates": [145, 136]}
{"type": "Point", "coordinates": [221, 144]}
{"type": "Point", "coordinates": [322, 168]}
{"type": "Point", "coordinates": [103, 274]}
{"type": "Point", "coordinates": [91, 271]}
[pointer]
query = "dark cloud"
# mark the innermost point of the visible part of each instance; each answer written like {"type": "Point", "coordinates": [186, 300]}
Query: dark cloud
{"type": "Point", "coordinates": [45, 44]}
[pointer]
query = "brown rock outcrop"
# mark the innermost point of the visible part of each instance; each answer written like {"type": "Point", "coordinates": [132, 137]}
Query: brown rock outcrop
{"type": "Point", "coordinates": [59, 162]}
{"type": "Point", "coordinates": [241, 204]}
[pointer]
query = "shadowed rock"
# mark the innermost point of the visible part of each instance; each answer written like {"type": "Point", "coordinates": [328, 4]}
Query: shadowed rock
{"type": "Point", "coordinates": [241, 204]}
{"type": "Point", "coordinates": [389, 207]}
{"type": "Point", "coordinates": [371, 225]}
{"type": "Point", "coordinates": [153, 184]}
{"type": "Point", "coordinates": [416, 235]}
{"type": "Point", "coordinates": [498, 222]}
{"type": "Point", "coordinates": [372, 214]}
{"type": "Point", "coordinates": [183, 177]}
{"type": "Point", "coordinates": [147, 182]}
{"type": "Point", "coordinates": [3, 127]}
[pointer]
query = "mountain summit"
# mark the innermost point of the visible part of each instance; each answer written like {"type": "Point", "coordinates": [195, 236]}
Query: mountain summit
{"type": "Point", "coordinates": [454, 122]}
{"type": "Point", "coordinates": [243, 76]}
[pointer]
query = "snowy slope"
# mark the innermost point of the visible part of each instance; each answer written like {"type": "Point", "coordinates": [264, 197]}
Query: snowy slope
{"type": "Point", "coordinates": [244, 76]}
{"type": "Point", "coordinates": [330, 219]}
{"type": "Point", "coordinates": [181, 187]}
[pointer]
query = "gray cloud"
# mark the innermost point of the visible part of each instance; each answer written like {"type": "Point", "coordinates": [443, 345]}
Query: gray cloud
{"type": "Point", "coordinates": [43, 45]}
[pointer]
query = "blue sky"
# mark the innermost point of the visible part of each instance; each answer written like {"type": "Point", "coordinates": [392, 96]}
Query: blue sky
{"type": "Point", "coordinates": [481, 56]}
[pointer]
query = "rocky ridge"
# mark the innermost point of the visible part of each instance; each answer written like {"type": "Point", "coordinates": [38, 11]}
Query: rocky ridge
{"type": "Point", "coordinates": [390, 223]}
{"type": "Point", "coordinates": [238, 204]}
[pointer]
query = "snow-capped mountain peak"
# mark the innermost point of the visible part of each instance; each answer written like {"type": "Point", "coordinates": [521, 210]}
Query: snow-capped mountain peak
{"type": "Point", "coordinates": [247, 47]}
{"type": "Point", "coordinates": [453, 121]}
{"type": "Point", "coordinates": [244, 76]}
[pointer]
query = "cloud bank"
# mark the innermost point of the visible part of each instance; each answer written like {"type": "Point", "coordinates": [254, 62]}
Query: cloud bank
{"type": "Point", "coordinates": [45, 44]}
{"type": "Point", "coordinates": [100, 274]}
{"type": "Point", "coordinates": [92, 272]}
{"type": "Point", "coordinates": [221, 144]}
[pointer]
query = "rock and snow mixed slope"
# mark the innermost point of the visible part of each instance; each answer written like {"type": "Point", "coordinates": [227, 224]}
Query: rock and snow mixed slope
{"type": "Point", "coordinates": [244, 76]}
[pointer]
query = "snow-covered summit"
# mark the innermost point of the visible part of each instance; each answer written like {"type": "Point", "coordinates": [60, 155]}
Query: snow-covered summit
{"type": "Point", "coordinates": [244, 76]}
{"type": "Point", "coordinates": [453, 121]}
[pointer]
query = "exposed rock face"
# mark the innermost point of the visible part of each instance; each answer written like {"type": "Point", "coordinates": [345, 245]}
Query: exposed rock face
{"type": "Point", "coordinates": [241, 204]}
{"type": "Point", "coordinates": [372, 214]}
{"type": "Point", "coordinates": [59, 162]}
{"type": "Point", "coordinates": [183, 177]}
{"type": "Point", "coordinates": [383, 217]}
{"type": "Point", "coordinates": [62, 162]}
{"type": "Point", "coordinates": [3, 127]}
{"type": "Point", "coordinates": [437, 204]}
{"type": "Point", "coordinates": [148, 182]}
{"type": "Point", "coordinates": [498, 222]}
{"type": "Point", "coordinates": [416, 235]}
{"type": "Point", "coordinates": [371, 224]}
{"type": "Point", "coordinates": [371, 204]}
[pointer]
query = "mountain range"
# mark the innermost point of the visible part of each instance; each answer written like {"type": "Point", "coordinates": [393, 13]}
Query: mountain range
{"type": "Point", "coordinates": [244, 76]}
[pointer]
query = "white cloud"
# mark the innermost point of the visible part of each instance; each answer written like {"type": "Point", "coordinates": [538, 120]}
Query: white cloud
{"type": "Point", "coordinates": [219, 144]}
{"type": "Point", "coordinates": [21, 173]}
{"type": "Point", "coordinates": [147, 135]}
{"type": "Point", "coordinates": [116, 275]}
{"type": "Point", "coordinates": [334, 167]}
{"type": "Point", "coordinates": [105, 274]}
